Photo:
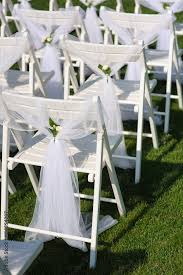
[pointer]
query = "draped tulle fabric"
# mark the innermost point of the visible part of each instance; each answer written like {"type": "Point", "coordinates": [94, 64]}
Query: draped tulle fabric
{"type": "Point", "coordinates": [132, 34]}
{"type": "Point", "coordinates": [93, 29]}
{"type": "Point", "coordinates": [50, 53]}
{"type": "Point", "coordinates": [57, 209]}
{"type": "Point", "coordinates": [92, 22]}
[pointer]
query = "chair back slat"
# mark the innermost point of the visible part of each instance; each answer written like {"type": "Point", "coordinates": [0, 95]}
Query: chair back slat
{"type": "Point", "coordinates": [102, 54]}
{"type": "Point", "coordinates": [139, 21]}
{"type": "Point", "coordinates": [52, 18]}
{"type": "Point", "coordinates": [56, 109]}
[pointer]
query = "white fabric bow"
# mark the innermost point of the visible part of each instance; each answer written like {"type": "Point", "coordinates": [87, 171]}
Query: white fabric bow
{"type": "Point", "coordinates": [47, 40]}
{"type": "Point", "coordinates": [132, 35]}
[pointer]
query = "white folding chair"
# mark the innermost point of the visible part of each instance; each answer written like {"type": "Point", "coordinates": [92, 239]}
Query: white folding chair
{"type": "Point", "coordinates": [155, 58]}
{"type": "Point", "coordinates": [52, 20]}
{"type": "Point", "coordinates": [16, 81]}
{"type": "Point", "coordinates": [17, 257]}
{"type": "Point", "coordinates": [94, 153]}
{"type": "Point", "coordinates": [130, 93]}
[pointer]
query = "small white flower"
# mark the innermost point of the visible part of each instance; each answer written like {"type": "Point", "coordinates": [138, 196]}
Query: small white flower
{"type": "Point", "coordinates": [44, 39]}
{"type": "Point", "coordinates": [49, 39]}
{"type": "Point", "coordinates": [105, 68]}
{"type": "Point", "coordinates": [58, 128]}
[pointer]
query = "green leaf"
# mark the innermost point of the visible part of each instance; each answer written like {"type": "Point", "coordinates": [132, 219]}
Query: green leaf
{"type": "Point", "coordinates": [52, 123]}
{"type": "Point", "coordinates": [166, 5]}
{"type": "Point", "coordinates": [100, 67]}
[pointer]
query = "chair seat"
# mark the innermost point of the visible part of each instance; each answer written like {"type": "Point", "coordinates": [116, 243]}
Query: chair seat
{"type": "Point", "coordinates": [18, 81]}
{"type": "Point", "coordinates": [158, 58]}
{"type": "Point", "coordinates": [20, 255]}
{"type": "Point", "coordinates": [82, 150]}
{"type": "Point", "coordinates": [126, 90]}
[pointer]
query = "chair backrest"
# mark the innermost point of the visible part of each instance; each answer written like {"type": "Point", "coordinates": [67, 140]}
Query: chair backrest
{"type": "Point", "coordinates": [100, 53]}
{"type": "Point", "coordinates": [138, 21]}
{"type": "Point", "coordinates": [64, 17]}
{"type": "Point", "coordinates": [52, 18]}
{"type": "Point", "coordinates": [55, 109]}
{"type": "Point", "coordinates": [95, 54]}
{"type": "Point", "coordinates": [149, 4]}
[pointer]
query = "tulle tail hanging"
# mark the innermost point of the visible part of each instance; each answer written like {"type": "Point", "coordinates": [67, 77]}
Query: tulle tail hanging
{"type": "Point", "coordinates": [92, 26]}
{"type": "Point", "coordinates": [113, 121]}
{"type": "Point", "coordinates": [57, 209]}
{"type": "Point", "coordinates": [51, 63]}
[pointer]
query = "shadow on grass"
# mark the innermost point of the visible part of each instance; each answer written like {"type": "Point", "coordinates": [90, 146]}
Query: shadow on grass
{"type": "Point", "coordinates": [108, 261]}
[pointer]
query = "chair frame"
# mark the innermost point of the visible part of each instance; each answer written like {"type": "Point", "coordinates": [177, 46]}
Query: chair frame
{"type": "Point", "coordinates": [144, 96]}
{"type": "Point", "coordinates": [103, 153]}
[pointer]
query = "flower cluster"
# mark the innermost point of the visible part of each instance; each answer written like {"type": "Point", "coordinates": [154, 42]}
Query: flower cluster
{"type": "Point", "coordinates": [105, 69]}
{"type": "Point", "coordinates": [54, 127]}
{"type": "Point", "coordinates": [166, 6]}
{"type": "Point", "coordinates": [47, 39]}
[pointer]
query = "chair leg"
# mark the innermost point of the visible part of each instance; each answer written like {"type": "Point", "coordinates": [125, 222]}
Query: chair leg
{"type": "Point", "coordinates": [139, 139]}
{"type": "Point", "coordinates": [96, 202]}
{"type": "Point", "coordinates": [178, 82]}
{"type": "Point", "coordinates": [168, 99]}
{"type": "Point", "coordinates": [33, 177]}
{"type": "Point", "coordinates": [11, 186]}
{"type": "Point", "coordinates": [4, 183]}
{"type": "Point", "coordinates": [114, 180]}
{"type": "Point", "coordinates": [30, 170]}
{"type": "Point", "coordinates": [151, 118]}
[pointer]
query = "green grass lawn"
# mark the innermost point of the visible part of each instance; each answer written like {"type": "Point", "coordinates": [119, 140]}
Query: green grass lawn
{"type": "Point", "coordinates": [150, 239]}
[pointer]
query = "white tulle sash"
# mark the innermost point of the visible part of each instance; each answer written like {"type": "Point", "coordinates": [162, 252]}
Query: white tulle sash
{"type": "Point", "coordinates": [57, 209]}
